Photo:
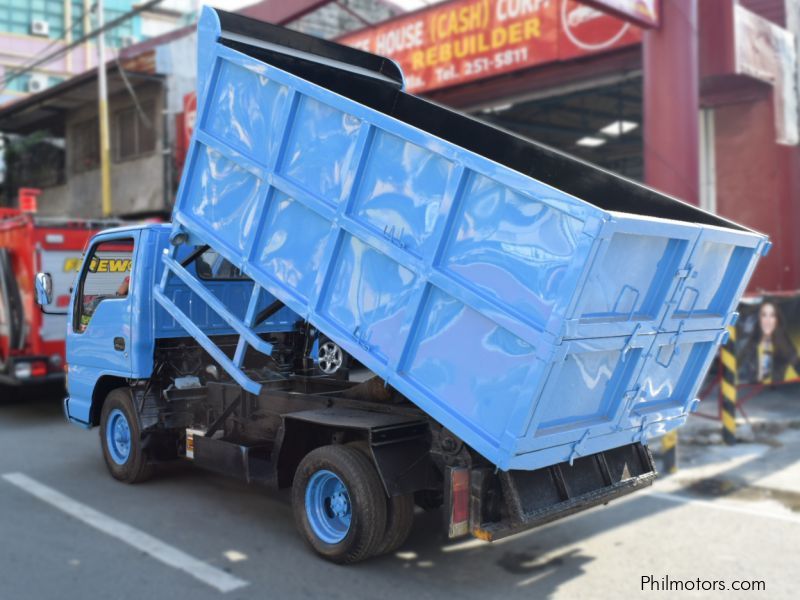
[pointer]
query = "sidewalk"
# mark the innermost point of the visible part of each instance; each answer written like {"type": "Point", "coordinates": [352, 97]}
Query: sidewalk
{"type": "Point", "coordinates": [764, 466]}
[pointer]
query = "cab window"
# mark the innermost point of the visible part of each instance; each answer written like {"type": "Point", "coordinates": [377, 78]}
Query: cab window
{"type": "Point", "coordinates": [107, 275]}
{"type": "Point", "coordinates": [211, 266]}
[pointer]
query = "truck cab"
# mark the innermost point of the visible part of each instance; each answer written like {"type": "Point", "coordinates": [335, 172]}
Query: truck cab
{"type": "Point", "coordinates": [116, 330]}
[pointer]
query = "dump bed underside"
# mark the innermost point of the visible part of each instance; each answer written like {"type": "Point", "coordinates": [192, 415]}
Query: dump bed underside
{"type": "Point", "coordinates": [494, 301]}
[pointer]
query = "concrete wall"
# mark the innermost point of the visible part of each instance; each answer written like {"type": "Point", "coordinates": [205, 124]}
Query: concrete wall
{"type": "Point", "coordinates": [758, 185]}
{"type": "Point", "coordinates": [137, 184]}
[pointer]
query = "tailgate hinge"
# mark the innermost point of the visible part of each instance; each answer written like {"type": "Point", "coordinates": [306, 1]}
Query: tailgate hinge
{"type": "Point", "coordinates": [686, 272]}
{"type": "Point", "coordinates": [629, 344]}
{"type": "Point", "coordinates": [577, 448]}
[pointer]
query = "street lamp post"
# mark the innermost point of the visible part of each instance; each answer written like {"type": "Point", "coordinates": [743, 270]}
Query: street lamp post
{"type": "Point", "coordinates": [102, 88]}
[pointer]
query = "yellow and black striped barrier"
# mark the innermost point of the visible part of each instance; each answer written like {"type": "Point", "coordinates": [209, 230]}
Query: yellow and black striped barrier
{"type": "Point", "coordinates": [669, 451]}
{"type": "Point", "coordinates": [728, 387]}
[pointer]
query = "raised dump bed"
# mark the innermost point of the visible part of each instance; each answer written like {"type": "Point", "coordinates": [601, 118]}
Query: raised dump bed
{"type": "Point", "coordinates": [540, 308]}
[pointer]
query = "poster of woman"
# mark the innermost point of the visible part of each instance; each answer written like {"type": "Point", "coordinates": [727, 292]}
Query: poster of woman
{"type": "Point", "coordinates": [768, 340]}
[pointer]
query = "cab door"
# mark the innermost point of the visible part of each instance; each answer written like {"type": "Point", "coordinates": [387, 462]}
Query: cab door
{"type": "Point", "coordinates": [99, 334]}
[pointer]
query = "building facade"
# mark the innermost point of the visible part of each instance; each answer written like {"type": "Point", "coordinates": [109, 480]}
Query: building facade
{"type": "Point", "coordinates": [568, 75]}
{"type": "Point", "coordinates": [33, 29]}
{"type": "Point", "coordinates": [557, 71]}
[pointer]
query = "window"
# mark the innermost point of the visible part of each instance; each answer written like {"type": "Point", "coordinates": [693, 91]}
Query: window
{"type": "Point", "coordinates": [107, 276]}
{"type": "Point", "coordinates": [85, 146]}
{"type": "Point", "coordinates": [134, 134]}
{"type": "Point", "coordinates": [211, 265]}
{"type": "Point", "coordinates": [16, 16]}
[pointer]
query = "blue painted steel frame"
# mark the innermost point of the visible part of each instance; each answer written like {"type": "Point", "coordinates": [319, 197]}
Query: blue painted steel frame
{"type": "Point", "coordinates": [466, 285]}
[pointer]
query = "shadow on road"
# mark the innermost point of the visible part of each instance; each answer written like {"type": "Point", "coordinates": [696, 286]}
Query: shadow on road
{"type": "Point", "coordinates": [30, 406]}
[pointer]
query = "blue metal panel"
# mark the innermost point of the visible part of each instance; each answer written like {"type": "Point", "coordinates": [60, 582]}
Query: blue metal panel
{"type": "Point", "coordinates": [294, 260]}
{"type": "Point", "coordinates": [401, 192]}
{"type": "Point", "coordinates": [226, 196]}
{"type": "Point", "coordinates": [248, 110]}
{"type": "Point", "coordinates": [476, 369]}
{"type": "Point", "coordinates": [527, 321]}
{"type": "Point", "coordinates": [370, 297]}
{"type": "Point", "coordinates": [515, 252]}
{"type": "Point", "coordinates": [319, 168]}
{"type": "Point", "coordinates": [668, 383]}
{"type": "Point", "coordinates": [715, 277]}
{"type": "Point", "coordinates": [585, 388]}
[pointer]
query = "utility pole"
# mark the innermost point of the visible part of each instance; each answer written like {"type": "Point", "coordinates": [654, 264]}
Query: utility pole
{"type": "Point", "coordinates": [102, 89]}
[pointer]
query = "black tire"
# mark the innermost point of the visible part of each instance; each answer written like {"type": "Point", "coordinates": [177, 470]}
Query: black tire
{"type": "Point", "coordinates": [399, 513]}
{"type": "Point", "coordinates": [399, 520]}
{"type": "Point", "coordinates": [137, 467]}
{"type": "Point", "coordinates": [367, 502]}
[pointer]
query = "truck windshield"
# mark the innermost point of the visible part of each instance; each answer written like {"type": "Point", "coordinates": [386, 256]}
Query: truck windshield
{"type": "Point", "coordinates": [107, 276]}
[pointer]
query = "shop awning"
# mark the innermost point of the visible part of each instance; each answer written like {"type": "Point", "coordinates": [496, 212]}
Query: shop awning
{"type": "Point", "coordinates": [47, 110]}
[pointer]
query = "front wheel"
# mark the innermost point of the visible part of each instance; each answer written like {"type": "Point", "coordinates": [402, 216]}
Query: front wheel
{"type": "Point", "coordinates": [339, 504]}
{"type": "Point", "coordinates": [120, 439]}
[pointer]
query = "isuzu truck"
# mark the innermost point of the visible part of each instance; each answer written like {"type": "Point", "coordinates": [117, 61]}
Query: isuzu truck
{"type": "Point", "coordinates": [526, 321]}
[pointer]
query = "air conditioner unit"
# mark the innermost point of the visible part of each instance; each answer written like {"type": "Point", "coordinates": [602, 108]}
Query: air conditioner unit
{"type": "Point", "coordinates": [127, 40]}
{"type": "Point", "coordinates": [36, 83]}
{"type": "Point", "coordinates": [40, 27]}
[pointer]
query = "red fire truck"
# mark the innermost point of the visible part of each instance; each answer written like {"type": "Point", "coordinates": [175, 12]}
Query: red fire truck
{"type": "Point", "coordinates": [32, 340]}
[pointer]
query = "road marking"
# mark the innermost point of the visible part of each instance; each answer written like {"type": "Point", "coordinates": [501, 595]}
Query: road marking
{"type": "Point", "coordinates": [162, 552]}
{"type": "Point", "coordinates": [720, 505]}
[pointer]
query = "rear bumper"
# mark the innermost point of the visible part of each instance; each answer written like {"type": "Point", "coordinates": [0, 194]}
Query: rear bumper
{"type": "Point", "coordinates": [534, 498]}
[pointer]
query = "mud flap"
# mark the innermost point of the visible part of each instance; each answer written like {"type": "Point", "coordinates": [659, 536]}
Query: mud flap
{"type": "Point", "coordinates": [515, 501]}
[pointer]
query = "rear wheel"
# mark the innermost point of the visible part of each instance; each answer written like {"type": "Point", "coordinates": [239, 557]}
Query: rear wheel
{"type": "Point", "coordinates": [120, 439]}
{"type": "Point", "coordinates": [339, 504]}
{"type": "Point", "coordinates": [399, 520]}
{"type": "Point", "coordinates": [399, 513]}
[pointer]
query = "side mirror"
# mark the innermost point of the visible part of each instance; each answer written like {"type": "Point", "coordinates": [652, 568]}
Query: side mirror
{"type": "Point", "coordinates": [44, 289]}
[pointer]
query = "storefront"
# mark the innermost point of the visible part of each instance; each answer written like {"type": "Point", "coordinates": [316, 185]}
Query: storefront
{"type": "Point", "coordinates": [571, 76]}
{"type": "Point", "coordinates": [560, 72]}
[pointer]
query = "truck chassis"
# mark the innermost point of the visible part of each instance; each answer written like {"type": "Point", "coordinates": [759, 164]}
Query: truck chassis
{"type": "Point", "coordinates": [366, 434]}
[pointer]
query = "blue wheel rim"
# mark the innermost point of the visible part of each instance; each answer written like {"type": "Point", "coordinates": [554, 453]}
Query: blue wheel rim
{"type": "Point", "coordinates": [118, 437]}
{"type": "Point", "coordinates": [328, 506]}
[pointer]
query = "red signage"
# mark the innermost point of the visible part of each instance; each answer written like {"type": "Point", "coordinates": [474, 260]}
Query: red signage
{"type": "Point", "coordinates": [189, 116]}
{"type": "Point", "coordinates": [645, 13]}
{"type": "Point", "coordinates": [185, 123]}
{"type": "Point", "coordinates": [465, 40]}
{"type": "Point", "coordinates": [28, 199]}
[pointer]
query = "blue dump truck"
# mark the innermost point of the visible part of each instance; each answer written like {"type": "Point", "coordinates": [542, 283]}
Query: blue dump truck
{"type": "Point", "coordinates": [521, 322]}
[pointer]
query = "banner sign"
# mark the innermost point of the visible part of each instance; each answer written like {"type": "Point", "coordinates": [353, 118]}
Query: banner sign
{"type": "Point", "coordinates": [645, 13]}
{"type": "Point", "coordinates": [767, 52]}
{"type": "Point", "coordinates": [768, 340]}
{"type": "Point", "coordinates": [466, 40]}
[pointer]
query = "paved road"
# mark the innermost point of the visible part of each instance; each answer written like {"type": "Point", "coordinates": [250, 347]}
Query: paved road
{"type": "Point", "coordinates": [248, 533]}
